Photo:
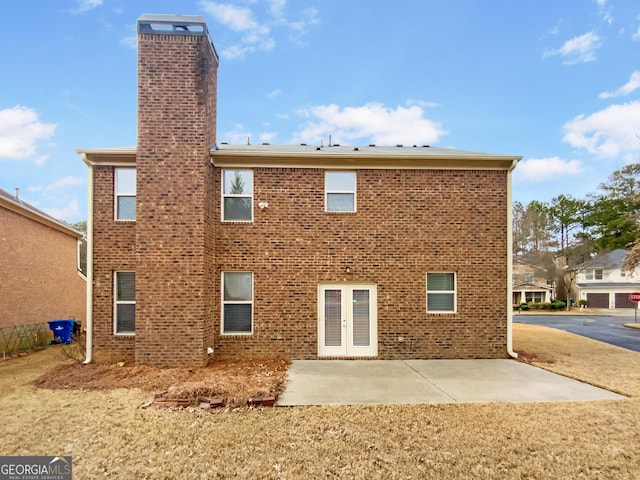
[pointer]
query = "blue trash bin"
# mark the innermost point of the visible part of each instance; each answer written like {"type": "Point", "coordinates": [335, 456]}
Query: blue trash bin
{"type": "Point", "coordinates": [62, 330]}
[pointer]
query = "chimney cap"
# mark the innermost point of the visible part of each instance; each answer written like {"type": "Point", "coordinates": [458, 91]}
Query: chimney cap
{"type": "Point", "coordinates": [172, 24]}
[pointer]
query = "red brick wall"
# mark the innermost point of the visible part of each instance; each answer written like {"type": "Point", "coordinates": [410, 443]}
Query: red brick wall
{"type": "Point", "coordinates": [113, 250]}
{"type": "Point", "coordinates": [38, 267]}
{"type": "Point", "coordinates": [409, 222]}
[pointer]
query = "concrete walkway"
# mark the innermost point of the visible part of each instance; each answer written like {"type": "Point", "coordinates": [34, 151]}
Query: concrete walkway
{"type": "Point", "coordinates": [361, 382]}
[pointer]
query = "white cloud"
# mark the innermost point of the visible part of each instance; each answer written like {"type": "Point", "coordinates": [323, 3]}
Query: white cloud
{"type": "Point", "coordinates": [239, 135]}
{"type": "Point", "coordinates": [541, 169]}
{"type": "Point", "coordinates": [130, 41]}
{"type": "Point", "coordinates": [256, 34]}
{"type": "Point", "coordinates": [69, 212]}
{"type": "Point", "coordinates": [60, 184]}
{"type": "Point", "coordinates": [20, 129]}
{"type": "Point", "coordinates": [636, 36]}
{"type": "Point", "coordinates": [631, 86]}
{"type": "Point", "coordinates": [370, 123]}
{"type": "Point", "coordinates": [604, 11]}
{"type": "Point", "coordinates": [577, 50]}
{"type": "Point", "coordinates": [85, 6]}
{"type": "Point", "coordinates": [608, 133]}
{"type": "Point", "coordinates": [274, 93]}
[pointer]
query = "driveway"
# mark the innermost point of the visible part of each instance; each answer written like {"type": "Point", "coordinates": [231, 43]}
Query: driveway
{"type": "Point", "coordinates": [607, 328]}
{"type": "Point", "coordinates": [360, 382]}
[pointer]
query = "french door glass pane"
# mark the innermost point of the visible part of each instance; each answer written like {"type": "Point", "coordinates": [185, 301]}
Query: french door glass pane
{"type": "Point", "coordinates": [332, 318]}
{"type": "Point", "coordinates": [360, 305]}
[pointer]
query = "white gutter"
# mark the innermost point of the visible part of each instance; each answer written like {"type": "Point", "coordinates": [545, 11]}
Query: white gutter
{"type": "Point", "coordinates": [89, 329]}
{"type": "Point", "coordinates": [510, 262]}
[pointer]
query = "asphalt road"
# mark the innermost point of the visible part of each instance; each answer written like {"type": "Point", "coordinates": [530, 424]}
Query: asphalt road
{"type": "Point", "coordinates": [606, 328]}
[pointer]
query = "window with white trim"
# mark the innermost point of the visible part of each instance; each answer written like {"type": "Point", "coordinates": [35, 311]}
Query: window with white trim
{"type": "Point", "coordinates": [124, 321]}
{"type": "Point", "coordinates": [594, 274]}
{"type": "Point", "coordinates": [237, 302]}
{"type": "Point", "coordinates": [340, 191]}
{"type": "Point", "coordinates": [441, 292]}
{"type": "Point", "coordinates": [125, 193]}
{"type": "Point", "coordinates": [237, 195]}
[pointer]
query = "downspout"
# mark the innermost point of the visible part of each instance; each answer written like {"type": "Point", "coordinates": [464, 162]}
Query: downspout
{"type": "Point", "coordinates": [510, 261]}
{"type": "Point", "coordinates": [89, 329]}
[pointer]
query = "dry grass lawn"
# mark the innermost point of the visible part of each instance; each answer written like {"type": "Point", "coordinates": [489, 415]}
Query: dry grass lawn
{"type": "Point", "coordinates": [109, 436]}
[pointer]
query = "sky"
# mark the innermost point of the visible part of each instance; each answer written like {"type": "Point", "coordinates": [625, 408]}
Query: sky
{"type": "Point", "coordinates": [556, 82]}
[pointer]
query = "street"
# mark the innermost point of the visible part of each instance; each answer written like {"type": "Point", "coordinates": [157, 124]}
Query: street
{"type": "Point", "coordinates": [606, 328]}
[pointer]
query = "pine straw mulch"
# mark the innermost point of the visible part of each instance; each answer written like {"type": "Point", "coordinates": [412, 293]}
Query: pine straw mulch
{"type": "Point", "coordinates": [230, 383]}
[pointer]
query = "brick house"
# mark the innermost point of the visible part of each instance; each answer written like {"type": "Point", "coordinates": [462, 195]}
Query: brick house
{"type": "Point", "coordinates": [202, 249]}
{"type": "Point", "coordinates": [39, 266]}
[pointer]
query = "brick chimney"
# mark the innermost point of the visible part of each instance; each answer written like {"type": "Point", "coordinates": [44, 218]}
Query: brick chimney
{"type": "Point", "coordinates": [175, 264]}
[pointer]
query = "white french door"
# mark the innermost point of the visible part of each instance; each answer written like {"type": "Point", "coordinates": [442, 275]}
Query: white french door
{"type": "Point", "coordinates": [347, 321]}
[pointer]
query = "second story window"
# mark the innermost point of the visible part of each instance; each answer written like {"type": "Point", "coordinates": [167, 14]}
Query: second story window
{"type": "Point", "coordinates": [595, 274]}
{"type": "Point", "coordinates": [125, 188]}
{"type": "Point", "coordinates": [237, 195]}
{"type": "Point", "coordinates": [340, 191]}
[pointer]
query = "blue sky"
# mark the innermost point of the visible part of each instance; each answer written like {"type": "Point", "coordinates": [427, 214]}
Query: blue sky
{"type": "Point", "coordinates": [557, 82]}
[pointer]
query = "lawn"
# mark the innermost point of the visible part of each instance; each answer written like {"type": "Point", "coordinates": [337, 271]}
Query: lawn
{"type": "Point", "coordinates": [110, 436]}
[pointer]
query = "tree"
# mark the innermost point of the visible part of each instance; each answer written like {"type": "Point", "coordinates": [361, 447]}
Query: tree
{"type": "Point", "coordinates": [566, 213]}
{"type": "Point", "coordinates": [613, 217]}
{"type": "Point", "coordinates": [531, 228]}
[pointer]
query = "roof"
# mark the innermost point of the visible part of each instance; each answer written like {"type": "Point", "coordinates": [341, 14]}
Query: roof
{"type": "Point", "coordinates": [608, 284]}
{"type": "Point", "coordinates": [334, 156]}
{"type": "Point", "coordinates": [613, 259]}
{"type": "Point", "coordinates": [17, 205]}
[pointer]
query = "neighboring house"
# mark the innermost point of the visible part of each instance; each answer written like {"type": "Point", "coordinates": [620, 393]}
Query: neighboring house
{"type": "Point", "coordinates": [531, 283]}
{"type": "Point", "coordinates": [603, 283]}
{"type": "Point", "coordinates": [39, 266]}
{"type": "Point", "coordinates": [198, 248]}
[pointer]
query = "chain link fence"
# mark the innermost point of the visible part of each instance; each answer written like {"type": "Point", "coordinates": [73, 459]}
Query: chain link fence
{"type": "Point", "coordinates": [23, 338]}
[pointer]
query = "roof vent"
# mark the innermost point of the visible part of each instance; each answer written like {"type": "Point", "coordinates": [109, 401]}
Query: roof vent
{"type": "Point", "coordinates": [399, 145]}
{"type": "Point", "coordinates": [356, 149]}
{"type": "Point", "coordinates": [426, 146]}
{"type": "Point", "coordinates": [265, 143]}
{"type": "Point", "coordinates": [372, 144]}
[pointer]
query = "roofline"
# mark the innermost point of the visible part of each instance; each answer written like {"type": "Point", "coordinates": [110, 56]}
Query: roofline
{"type": "Point", "coordinates": [126, 156]}
{"type": "Point", "coordinates": [29, 212]}
{"type": "Point", "coordinates": [354, 160]}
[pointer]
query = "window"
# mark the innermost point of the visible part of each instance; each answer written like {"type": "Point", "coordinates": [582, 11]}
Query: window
{"type": "Point", "coordinates": [340, 191]}
{"type": "Point", "coordinates": [125, 186]}
{"type": "Point", "coordinates": [125, 303]}
{"type": "Point", "coordinates": [441, 292]}
{"type": "Point", "coordinates": [535, 297]}
{"type": "Point", "coordinates": [594, 274]}
{"type": "Point", "coordinates": [529, 277]}
{"type": "Point", "coordinates": [237, 195]}
{"type": "Point", "coordinates": [237, 302]}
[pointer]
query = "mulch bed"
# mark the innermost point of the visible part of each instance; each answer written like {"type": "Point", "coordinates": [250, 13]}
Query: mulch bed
{"type": "Point", "coordinates": [231, 383]}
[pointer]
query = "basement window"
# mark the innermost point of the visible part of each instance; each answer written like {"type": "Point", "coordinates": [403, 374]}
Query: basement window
{"type": "Point", "coordinates": [237, 303]}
